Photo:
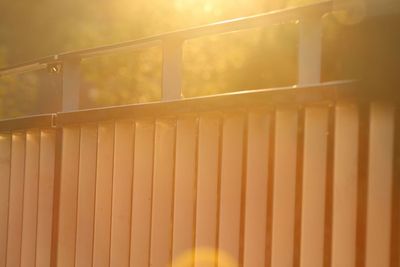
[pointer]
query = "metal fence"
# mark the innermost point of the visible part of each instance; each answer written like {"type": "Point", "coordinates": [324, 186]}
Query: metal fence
{"type": "Point", "coordinates": [294, 176]}
{"type": "Point", "coordinates": [303, 176]}
{"type": "Point", "coordinates": [27, 168]}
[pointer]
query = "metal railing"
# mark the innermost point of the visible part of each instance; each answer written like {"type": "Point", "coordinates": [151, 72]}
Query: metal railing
{"type": "Point", "coordinates": [309, 17]}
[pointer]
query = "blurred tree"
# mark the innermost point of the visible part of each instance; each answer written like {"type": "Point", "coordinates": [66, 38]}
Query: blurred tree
{"type": "Point", "coordinates": [17, 94]}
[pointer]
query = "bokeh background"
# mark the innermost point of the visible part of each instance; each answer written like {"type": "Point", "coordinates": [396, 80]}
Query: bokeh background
{"type": "Point", "coordinates": [356, 45]}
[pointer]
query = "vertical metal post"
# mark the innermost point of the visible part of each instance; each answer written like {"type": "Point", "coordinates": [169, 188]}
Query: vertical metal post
{"type": "Point", "coordinates": [71, 84]}
{"type": "Point", "coordinates": [172, 69]}
{"type": "Point", "coordinates": [309, 58]}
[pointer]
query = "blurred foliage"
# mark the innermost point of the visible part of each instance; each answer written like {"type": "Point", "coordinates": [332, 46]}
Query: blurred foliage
{"type": "Point", "coordinates": [251, 59]}
{"type": "Point", "coordinates": [257, 58]}
{"type": "Point", "coordinates": [17, 94]}
{"type": "Point", "coordinates": [122, 78]}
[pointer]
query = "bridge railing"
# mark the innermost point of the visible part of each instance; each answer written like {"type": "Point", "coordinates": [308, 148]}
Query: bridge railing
{"type": "Point", "coordinates": [309, 63]}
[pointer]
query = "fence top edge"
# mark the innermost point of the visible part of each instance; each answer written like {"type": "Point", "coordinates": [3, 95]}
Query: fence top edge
{"type": "Point", "coordinates": [326, 93]}
{"type": "Point", "coordinates": [289, 95]}
{"type": "Point", "coordinates": [27, 122]}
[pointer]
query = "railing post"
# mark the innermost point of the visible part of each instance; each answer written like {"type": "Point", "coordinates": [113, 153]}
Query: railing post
{"type": "Point", "coordinates": [309, 58]}
{"type": "Point", "coordinates": [71, 78]}
{"type": "Point", "coordinates": [172, 69]}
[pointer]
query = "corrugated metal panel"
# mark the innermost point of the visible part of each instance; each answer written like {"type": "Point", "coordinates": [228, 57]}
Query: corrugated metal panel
{"type": "Point", "coordinates": [27, 159]}
{"type": "Point", "coordinates": [314, 186]}
{"type": "Point", "coordinates": [45, 197]}
{"type": "Point", "coordinates": [142, 193]}
{"type": "Point", "coordinates": [103, 198]}
{"type": "Point", "coordinates": [304, 185]}
{"type": "Point", "coordinates": [345, 182]}
{"type": "Point", "coordinates": [16, 198]}
{"type": "Point", "coordinates": [30, 203]}
{"type": "Point", "coordinates": [284, 184]}
{"type": "Point", "coordinates": [122, 193]}
{"type": "Point", "coordinates": [5, 167]}
{"type": "Point", "coordinates": [185, 186]}
{"type": "Point", "coordinates": [207, 185]}
{"type": "Point", "coordinates": [163, 188]}
{"type": "Point", "coordinates": [195, 188]}
{"type": "Point", "coordinates": [86, 195]}
{"type": "Point", "coordinates": [257, 176]}
{"type": "Point", "coordinates": [68, 199]}
{"type": "Point", "coordinates": [380, 183]}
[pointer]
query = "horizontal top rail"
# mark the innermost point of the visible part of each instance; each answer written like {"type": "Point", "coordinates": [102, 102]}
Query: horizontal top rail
{"type": "Point", "coordinates": [321, 93]}
{"type": "Point", "coordinates": [28, 122]}
{"type": "Point", "coordinates": [326, 93]}
{"type": "Point", "coordinates": [264, 19]}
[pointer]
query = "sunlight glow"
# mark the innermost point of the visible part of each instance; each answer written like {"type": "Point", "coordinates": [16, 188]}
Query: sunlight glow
{"type": "Point", "coordinates": [204, 257]}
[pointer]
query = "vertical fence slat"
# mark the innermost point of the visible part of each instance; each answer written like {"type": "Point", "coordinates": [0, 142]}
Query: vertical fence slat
{"type": "Point", "coordinates": [103, 201]}
{"type": "Point", "coordinates": [30, 208]}
{"type": "Point", "coordinates": [86, 196]}
{"type": "Point", "coordinates": [5, 166]}
{"type": "Point", "coordinates": [142, 192]}
{"type": "Point", "coordinates": [161, 225]}
{"type": "Point", "coordinates": [256, 188]}
{"type": "Point", "coordinates": [16, 200]}
{"type": "Point", "coordinates": [207, 184]}
{"type": "Point", "coordinates": [45, 200]}
{"type": "Point", "coordinates": [314, 182]}
{"type": "Point", "coordinates": [380, 180]}
{"type": "Point", "coordinates": [68, 197]}
{"type": "Point", "coordinates": [395, 249]}
{"type": "Point", "coordinates": [284, 187]}
{"type": "Point", "coordinates": [185, 181]}
{"type": "Point", "coordinates": [122, 190]}
{"type": "Point", "coordinates": [345, 185]}
{"type": "Point", "coordinates": [231, 188]}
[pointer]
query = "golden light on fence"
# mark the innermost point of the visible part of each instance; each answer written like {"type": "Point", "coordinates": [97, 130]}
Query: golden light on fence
{"type": "Point", "coordinates": [204, 257]}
